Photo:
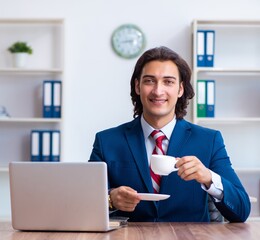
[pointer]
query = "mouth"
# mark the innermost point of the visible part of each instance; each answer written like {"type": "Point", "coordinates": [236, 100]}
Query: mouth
{"type": "Point", "coordinates": [158, 101]}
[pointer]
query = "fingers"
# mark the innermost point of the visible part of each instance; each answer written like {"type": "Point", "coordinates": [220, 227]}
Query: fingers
{"type": "Point", "coordinates": [187, 166]}
{"type": "Point", "coordinates": [124, 198]}
{"type": "Point", "coordinates": [191, 168]}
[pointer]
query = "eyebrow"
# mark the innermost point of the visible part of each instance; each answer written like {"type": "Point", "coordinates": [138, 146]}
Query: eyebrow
{"type": "Point", "coordinates": [152, 76]}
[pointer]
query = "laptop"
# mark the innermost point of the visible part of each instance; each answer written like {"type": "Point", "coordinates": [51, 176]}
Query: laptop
{"type": "Point", "coordinates": [59, 196]}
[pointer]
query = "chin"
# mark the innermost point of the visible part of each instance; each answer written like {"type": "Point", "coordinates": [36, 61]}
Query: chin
{"type": "Point", "coordinates": [159, 114]}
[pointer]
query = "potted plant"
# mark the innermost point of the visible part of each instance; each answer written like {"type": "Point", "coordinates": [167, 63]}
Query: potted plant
{"type": "Point", "coordinates": [20, 51]}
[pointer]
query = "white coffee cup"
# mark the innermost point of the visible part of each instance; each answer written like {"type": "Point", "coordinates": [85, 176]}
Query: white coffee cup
{"type": "Point", "coordinates": [163, 164]}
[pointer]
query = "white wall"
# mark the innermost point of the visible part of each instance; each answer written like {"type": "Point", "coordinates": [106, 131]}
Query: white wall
{"type": "Point", "coordinates": [97, 81]}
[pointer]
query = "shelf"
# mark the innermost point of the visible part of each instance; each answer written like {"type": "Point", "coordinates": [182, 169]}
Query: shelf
{"type": "Point", "coordinates": [227, 70]}
{"type": "Point", "coordinates": [226, 120]}
{"type": "Point", "coordinates": [226, 23]}
{"type": "Point", "coordinates": [30, 71]}
{"type": "Point", "coordinates": [31, 21]}
{"type": "Point", "coordinates": [236, 96]}
{"type": "Point", "coordinates": [4, 169]}
{"type": "Point", "coordinates": [46, 36]}
{"type": "Point", "coordinates": [31, 120]}
{"type": "Point", "coordinates": [247, 170]}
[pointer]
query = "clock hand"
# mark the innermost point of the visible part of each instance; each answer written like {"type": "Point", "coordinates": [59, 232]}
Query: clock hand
{"type": "Point", "coordinates": [127, 41]}
{"type": "Point", "coordinates": [134, 41]}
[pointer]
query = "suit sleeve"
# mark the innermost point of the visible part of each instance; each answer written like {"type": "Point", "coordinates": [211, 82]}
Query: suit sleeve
{"type": "Point", "coordinates": [235, 205]}
{"type": "Point", "coordinates": [96, 154]}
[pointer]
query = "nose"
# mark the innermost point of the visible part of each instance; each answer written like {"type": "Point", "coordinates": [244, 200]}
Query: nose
{"type": "Point", "coordinates": [158, 88]}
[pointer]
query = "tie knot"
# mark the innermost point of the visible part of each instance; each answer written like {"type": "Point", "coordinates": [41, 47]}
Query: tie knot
{"type": "Point", "coordinates": [158, 136]}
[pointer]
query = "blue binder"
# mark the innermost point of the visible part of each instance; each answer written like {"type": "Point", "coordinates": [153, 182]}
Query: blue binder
{"type": "Point", "coordinates": [55, 146]}
{"type": "Point", "coordinates": [36, 145]}
{"type": "Point", "coordinates": [201, 42]}
{"type": "Point", "coordinates": [46, 145]}
{"type": "Point", "coordinates": [210, 47]}
{"type": "Point", "coordinates": [47, 99]}
{"type": "Point", "coordinates": [56, 90]}
{"type": "Point", "coordinates": [210, 99]}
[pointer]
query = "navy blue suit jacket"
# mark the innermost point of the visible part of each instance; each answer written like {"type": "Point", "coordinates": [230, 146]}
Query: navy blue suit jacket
{"type": "Point", "coordinates": [123, 149]}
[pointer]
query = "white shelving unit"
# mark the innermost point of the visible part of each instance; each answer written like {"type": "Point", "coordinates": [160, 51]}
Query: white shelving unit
{"type": "Point", "coordinates": [236, 73]}
{"type": "Point", "coordinates": [21, 90]}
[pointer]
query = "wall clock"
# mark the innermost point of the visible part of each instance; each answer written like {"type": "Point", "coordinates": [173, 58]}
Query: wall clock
{"type": "Point", "coordinates": [128, 41]}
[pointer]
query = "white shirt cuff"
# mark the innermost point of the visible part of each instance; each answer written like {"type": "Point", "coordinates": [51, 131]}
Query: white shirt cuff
{"type": "Point", "coordinates": [216, 188]}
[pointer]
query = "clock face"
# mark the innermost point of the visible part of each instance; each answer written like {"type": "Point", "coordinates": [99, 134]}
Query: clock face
{"type": "Point", "coordinates": [128, 41]}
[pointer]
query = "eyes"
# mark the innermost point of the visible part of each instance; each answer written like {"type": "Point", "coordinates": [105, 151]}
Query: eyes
{"type": "Point", "coordinates": [152, 81]}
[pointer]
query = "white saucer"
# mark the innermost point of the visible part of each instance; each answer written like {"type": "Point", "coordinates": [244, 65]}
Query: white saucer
{"type": "Point", "coordinates": [152, 196]}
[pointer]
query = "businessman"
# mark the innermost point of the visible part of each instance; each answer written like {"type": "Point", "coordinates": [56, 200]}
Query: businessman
{"type": "Point", "coordinates": [160, 92]}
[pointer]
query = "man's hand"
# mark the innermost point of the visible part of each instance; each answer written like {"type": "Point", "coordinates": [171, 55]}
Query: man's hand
{"type": "Point", "coordinates": [124, 198]}
{"type": "Point", "coordinates": [191, 168]}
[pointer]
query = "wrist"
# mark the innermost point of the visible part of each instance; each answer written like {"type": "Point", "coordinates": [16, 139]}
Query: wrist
{"type": "Point", "coordinates": [209, 182]}
{"type": "Point", "coordinates": [110, 202]}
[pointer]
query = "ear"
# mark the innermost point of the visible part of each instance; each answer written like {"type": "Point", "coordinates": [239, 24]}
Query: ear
{"type": "Point", "coordinates": [137, 87]}
{"type": "Point", "coordinates": [181, 90]}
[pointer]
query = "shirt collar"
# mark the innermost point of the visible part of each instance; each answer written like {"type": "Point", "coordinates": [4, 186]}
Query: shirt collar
{"type": "Point", "coordinates": [167, 129]}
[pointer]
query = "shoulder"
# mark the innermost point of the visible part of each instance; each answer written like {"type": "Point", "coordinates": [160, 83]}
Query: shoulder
{"type": "Point", "coordinates": [197, 129]}
{"type": "Point", "coordinates": [120, 128]}
{"type": "Point", "coordinates": [199, 135]}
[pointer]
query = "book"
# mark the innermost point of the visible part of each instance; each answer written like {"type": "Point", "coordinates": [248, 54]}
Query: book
{"type": "Point", "coordinates": [35, 145]}
{"type": "Point", "coordinates": [51, 98]}
{"type": "Point", "coordinates": [205, 48]}
{"type": "Point", "coordinates": [210, 98]}
{"type": "Point", "coordinates": [56, 85]}
{"type": "Point", "coordinates": [201, 56]}
{"type": "Point", "coordinates": [47, 99]}
{"type": "Point", "coordinates": [55, 146]}
{"type": "Point", "coordinates": [201, 98]}
{"type": "Point", "coordinates": [46, 146]}
{"type": "Point", "coordinates": [206, 98]}
{"type": "Point", "coordinates": [210, 48]}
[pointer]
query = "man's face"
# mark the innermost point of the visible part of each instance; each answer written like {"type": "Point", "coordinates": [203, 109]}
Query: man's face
{"type": "Point", "coordinates": [159, 89]}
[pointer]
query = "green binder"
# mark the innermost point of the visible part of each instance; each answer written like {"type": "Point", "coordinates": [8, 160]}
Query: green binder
{"type": "Point", "coordinates": [201, 98]}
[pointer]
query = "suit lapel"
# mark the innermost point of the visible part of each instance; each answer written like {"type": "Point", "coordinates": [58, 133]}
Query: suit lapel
{"type": "Point", "coordinates": [179, 137]}
{"type": "Point", "coordinates": [135, 139]}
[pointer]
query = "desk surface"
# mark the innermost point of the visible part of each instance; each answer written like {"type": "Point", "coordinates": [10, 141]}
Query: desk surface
{"type": "Point", "coordinates": [149, 231]}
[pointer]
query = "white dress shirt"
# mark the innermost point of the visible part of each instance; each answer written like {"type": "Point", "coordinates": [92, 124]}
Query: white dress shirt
{"type": "Point", "coordinates": [216, 188]}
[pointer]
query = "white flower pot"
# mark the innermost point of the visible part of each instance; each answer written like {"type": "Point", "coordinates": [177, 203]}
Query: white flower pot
{"type": "Point", "coordinates": [20, 60]}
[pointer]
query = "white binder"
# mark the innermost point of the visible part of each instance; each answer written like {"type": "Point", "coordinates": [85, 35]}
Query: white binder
{"type": "Point", "coordinates": [210, 48]}
{"type": "Point", "coordinates": [46, 146]}
{"type": "Point", "coordinates": [201, 61]}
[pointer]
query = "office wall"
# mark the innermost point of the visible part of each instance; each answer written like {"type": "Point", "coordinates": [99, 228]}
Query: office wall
{"type": "Point", "coordinates": [97, 81]}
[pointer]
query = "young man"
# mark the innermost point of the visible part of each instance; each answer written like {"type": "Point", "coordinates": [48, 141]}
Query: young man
{"type": "Point", "coordinates": [160, 91]}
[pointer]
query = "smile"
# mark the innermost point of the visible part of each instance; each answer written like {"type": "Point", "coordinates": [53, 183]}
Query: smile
{"type": "Point", "coordinates": [158, 100]}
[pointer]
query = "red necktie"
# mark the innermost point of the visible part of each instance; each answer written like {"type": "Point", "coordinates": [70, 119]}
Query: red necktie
{"type": "Point", "coordinates": [158, 137]}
